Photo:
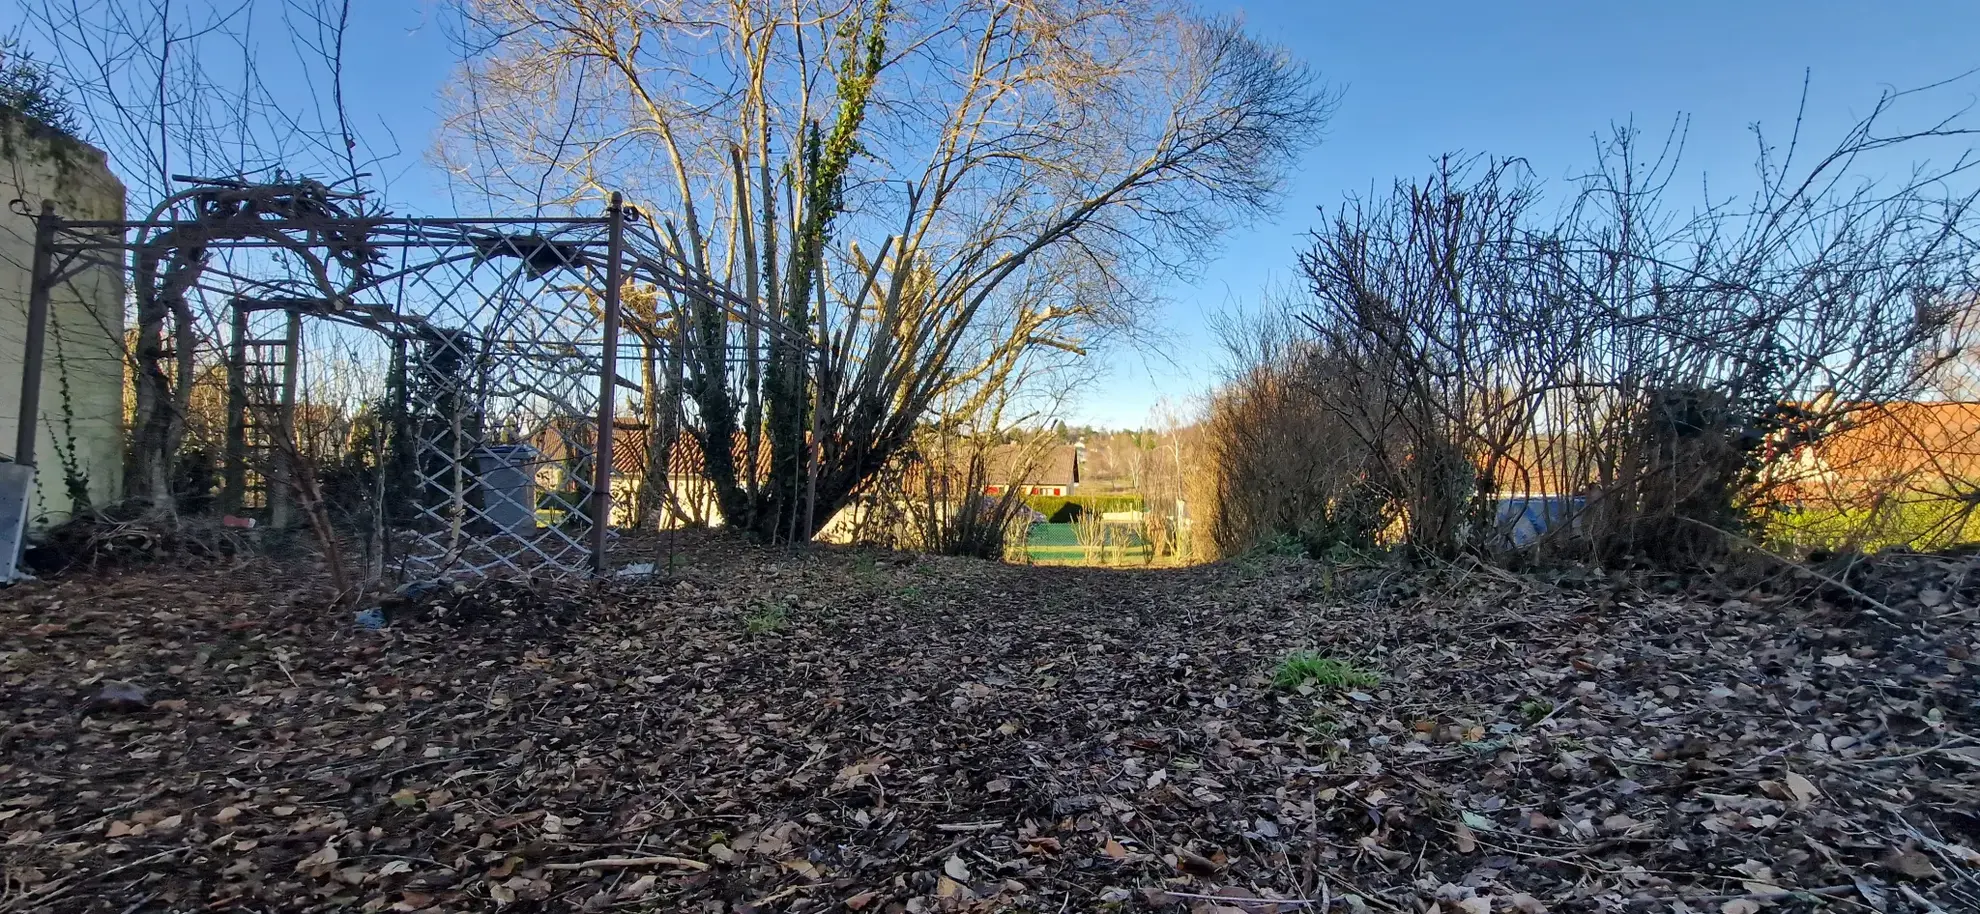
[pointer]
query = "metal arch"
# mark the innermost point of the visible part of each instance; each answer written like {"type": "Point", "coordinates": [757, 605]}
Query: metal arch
{"type": "Point", "coordinates": [644, 257]}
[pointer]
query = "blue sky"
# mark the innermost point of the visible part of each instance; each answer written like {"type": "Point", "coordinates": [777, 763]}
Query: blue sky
{"type": "Point", "coordinates": [1530, 79]}
{"type": "Point", "coordinates": [1539, 80]}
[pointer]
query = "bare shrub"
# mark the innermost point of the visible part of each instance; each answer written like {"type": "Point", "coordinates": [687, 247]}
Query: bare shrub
{"type": "Point", "coordinates": [1634, 385]}
{"type": "Point", "coordinates": [955, 492]}
{"type": "Point", "coordinates": [1429, 315]}
{"type": "Point", "coordinates": [1278, 461]}
{"type": "Point", "coordinates": [1171, 478]}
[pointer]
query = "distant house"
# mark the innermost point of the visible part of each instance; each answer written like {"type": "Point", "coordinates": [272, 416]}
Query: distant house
{"type": "Point", "coordinates": [1885, 449]}
{"type": "Point", "coordinates": [1055, 472]}
{"type": "Point", "coordinates": [688, 498]}
{"type": "Point", "coordinates": [565, 445]}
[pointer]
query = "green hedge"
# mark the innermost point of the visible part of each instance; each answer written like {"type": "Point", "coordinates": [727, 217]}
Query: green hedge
{"type": "Point", "coordinates": [1064, 509]}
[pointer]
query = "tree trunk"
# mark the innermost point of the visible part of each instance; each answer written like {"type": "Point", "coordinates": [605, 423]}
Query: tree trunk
{"type": "Point", "coordinates": [158, 421]}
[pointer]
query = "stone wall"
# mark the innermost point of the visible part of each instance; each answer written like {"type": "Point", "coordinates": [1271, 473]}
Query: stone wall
{"type": "Point", "coordinates": [82, 384]}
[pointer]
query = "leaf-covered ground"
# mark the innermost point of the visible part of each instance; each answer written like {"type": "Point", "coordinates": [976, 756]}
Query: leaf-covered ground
{"type": "Point", "coordinates": [755, 730]}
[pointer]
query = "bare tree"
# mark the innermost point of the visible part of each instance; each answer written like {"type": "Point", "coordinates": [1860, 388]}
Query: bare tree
{"type": "Point", "coordinates": [1173, 460]}
{"type": "Point", "coordinates": [1014, 169]}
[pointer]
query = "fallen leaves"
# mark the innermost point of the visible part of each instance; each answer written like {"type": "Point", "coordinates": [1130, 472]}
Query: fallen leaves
{"type": "Point", "coordinates": [607, 863]}
{"type": "Point", "coordinates": [860, 772]}
{"type": "Point", "coordinates": [1002, 739]}
{"type": "Point", "coordinates": [1908, 861]}
{"type": "Point", "coordinates": [1794, 788]}
{"type": "Point", "coordinates": [1466, 839]}
{"type": "Point", "coordinates": [320, 863]}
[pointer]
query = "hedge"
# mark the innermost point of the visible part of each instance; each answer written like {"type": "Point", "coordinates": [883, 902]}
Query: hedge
{"type": "Point", "coordinates": [1064, 509]}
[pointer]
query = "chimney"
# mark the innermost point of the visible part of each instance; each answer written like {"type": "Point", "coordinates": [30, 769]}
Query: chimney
{"type": "Point", "coordinates": [1079, 457]}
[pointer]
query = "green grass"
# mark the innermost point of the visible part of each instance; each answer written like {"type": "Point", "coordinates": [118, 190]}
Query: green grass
{"type": "Point", "coordinates": [1535, 710]}
{"type": "Point", "coordinates": [1303, 667]}
{"type": "Point", "coordinates": [1921, 523]}
{"type": "Point", "coordinates": [1076, 555]}
{"type": "Point", "coordinates": [764, 619]}
{"type": "Point", "coordinates": [1058, 544]}
{"type": "Point", "coordinates": [1282, 544]}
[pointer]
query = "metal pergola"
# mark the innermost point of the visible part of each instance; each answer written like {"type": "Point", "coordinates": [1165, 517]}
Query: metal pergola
{"type": "Point", "coordinates": [479, 333]}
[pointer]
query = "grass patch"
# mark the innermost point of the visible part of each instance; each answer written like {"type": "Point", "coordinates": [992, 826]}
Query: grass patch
{"type": "Point", "coordinates": [765, 619]}
{"type": "Point", "coordinates": [1303, 667]}
{"type": "Point", "coordinates": [1924, 522]}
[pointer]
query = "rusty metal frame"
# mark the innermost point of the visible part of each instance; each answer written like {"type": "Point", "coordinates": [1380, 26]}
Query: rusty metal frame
{"type": "Point", "coordinates": [571, 333]}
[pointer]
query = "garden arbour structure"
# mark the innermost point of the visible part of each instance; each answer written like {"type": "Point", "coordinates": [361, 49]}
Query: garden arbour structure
{"type": "Point", "coordinates": [471, 342]}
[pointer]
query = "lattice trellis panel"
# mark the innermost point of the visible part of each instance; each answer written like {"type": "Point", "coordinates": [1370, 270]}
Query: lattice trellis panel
{"type": "Point", "coordinates": [499, 361]}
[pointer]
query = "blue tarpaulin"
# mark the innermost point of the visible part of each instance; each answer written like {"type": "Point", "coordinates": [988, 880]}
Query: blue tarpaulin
{"type": "Point", "coordinates": [1525, 518]}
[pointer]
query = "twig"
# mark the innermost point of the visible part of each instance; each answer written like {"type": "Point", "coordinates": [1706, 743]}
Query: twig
{"type": "Point", "coordinates": [969, 826]}
{"type": "Point", "coordinates": [1782, 895]}
{"type": "Point", "coordinates": [1294, 902]}
{"type": "Point", "coordinates": [780, 895]}
{"type": "Point", "coordinates": [1364, 894]}
{"type": "Point", "coordinates": [1557, 709]}
{"type": "Point", "coordinates": [944, 852]}
{"type": "Point", "coordinates": [1939, 749]}
{"type": "Point", "coordinates": [1754, 763]}
{"type": "Point", "coordinates": [62, 887]}
{"type": "Point", "coordinates": [1920, 900]}
{"type": "Point", "coordinates": [621, 862]}
{"type": "Point", "coordinates": [1878, 607]}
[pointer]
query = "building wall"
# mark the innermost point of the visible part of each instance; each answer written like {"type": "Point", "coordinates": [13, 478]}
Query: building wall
{"type": "Point", "coordinates": [84, 345]}
{"type": "Point", "coordinates": [695, 495]}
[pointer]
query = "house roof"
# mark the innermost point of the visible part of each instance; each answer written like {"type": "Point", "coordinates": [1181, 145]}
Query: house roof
{"type": "Point", "coordinates": [1910, 440]}
{"type": "Point", "coordinates": [1018, 464]}
{"type": "Point", "coordinates": [632, 442]}
{"type": "Point", "coordinates": [561, 438]}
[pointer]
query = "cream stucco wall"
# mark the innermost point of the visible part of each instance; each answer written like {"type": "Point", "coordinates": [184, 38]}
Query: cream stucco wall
{"type": "Point", "coordinates": [84, 345]}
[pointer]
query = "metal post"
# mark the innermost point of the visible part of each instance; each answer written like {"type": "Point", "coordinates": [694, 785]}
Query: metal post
{"type": "Point", "coordinates": [37, 333]}
{"type": "Point", "coordinates": [608, 385]}
{"type": "Point", "coordinates": [281, 472]}
{"type": "Point", "coordinates": [233, 472]}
